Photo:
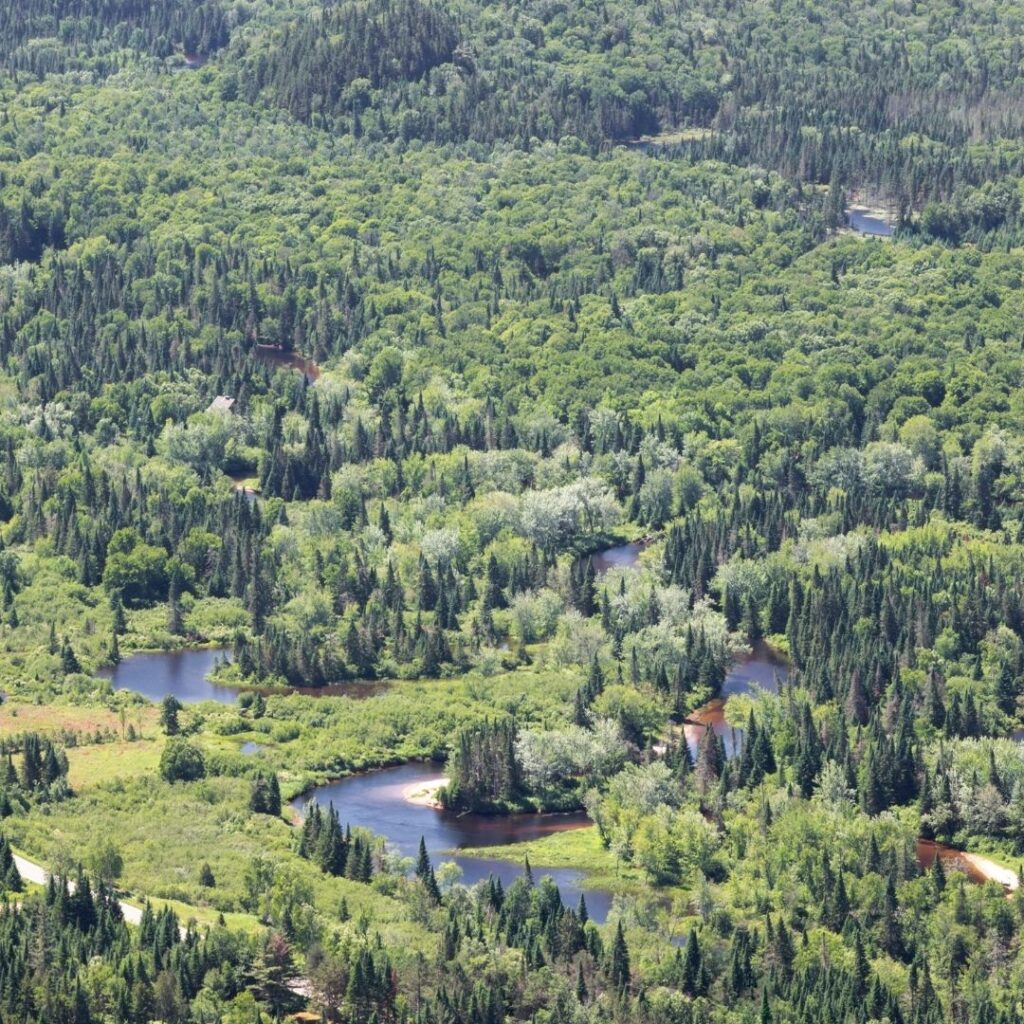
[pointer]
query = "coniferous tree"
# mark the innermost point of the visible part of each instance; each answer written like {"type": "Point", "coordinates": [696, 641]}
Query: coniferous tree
{"type": "Point", "coordinates": [170, 706]}
{"type": "Point", "coordinates": [618, 964]}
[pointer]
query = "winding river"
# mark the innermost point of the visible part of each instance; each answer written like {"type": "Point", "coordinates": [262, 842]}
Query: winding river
{"type": "Point", "coordinates": [977, 868]}
{"type": "Point", "coordinates": [377, 801]}
{"type": "Point", "coordinates": [762, 669]}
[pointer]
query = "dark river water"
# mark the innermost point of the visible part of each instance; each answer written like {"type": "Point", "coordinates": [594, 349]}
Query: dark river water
{"type": "Point", "coordinates": [762, 669]}
{"type": "Point", "coordinates": [625, 556]}
{"type": "Point", "coordinates": [376, 800]}
{"type": "Point", "coordinates": [184, 674]}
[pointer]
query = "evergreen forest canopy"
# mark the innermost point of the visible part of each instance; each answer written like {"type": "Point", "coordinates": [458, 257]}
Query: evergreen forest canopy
{"type": "Point", "coordinates": [340, 337]}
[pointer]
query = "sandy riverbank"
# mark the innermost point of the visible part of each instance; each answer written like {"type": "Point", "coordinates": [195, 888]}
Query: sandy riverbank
{"type": "Point", "coordinates": [974, 865]}
{"type": "Point", "coordinates": [424, 793]}
{"type": "Point", "coordinates": [992, 871]}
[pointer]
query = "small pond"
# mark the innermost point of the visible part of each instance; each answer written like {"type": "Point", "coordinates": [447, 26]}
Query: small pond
{"type": "Point", "coordinates": [275, 357]}
{"type": "Point", "coordinates": [181, 673]}
{"type": "Point", "coordinates": [625, 556]}
{"type": "Point", "coordinates": [867, 223]}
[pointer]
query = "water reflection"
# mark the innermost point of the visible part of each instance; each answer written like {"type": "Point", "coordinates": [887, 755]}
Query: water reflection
{"type": "Point", "coordinates": [376, 801]}
{"type": "Point", "coordinates": [866, 223]}
{"type": "Point", "coordinates": [275, 357]}
{"type": "Point", "coordinates": [762, 669]}
{"type": "Point", "coordinates": [625, 556]}
{"type": "Point", "coordinates": [155, 674]}
{"type": "Point", "coordinates": [181, 673]}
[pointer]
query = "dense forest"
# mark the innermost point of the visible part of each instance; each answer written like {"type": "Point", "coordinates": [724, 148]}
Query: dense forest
{"type": "Point", "coordinates": [507, 393]}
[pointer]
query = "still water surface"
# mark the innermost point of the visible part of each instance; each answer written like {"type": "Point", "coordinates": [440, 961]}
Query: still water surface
{"type": "Point", "coordinates": [181, 673]}
{"type": "Point", "coordinates": [376, 801]}
{"type": "Point", "coordinates": [866, 224]}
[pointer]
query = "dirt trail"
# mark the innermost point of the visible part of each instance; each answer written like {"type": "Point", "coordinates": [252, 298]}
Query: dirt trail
{"type": "Point", "coordinates": [36, 873]}
{"type": "Point", "coordinates": [32, 872]}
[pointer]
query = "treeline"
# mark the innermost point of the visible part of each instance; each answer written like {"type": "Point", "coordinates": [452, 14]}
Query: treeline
{"type": "Point", "coordinates": [406, 69]}
{"type": "Point", "coordinates": [216, 546]}
{"type": "Point", "coordinates": [151, 972]}
{"type": "Point", "coordinates": [312, 66]}
{"type": "Point", "coordinates": [335, 850]}
{"type": "Point", "coordinates": [755, 966]}
{"type": "Point", "coordinates": [46, 38]}
{"type": "Point", "coordinates": [856, 98]}
{"type": "Point", "coordinates": [483, 770]}
{"type": "Point", "coordinates": [852, 98]}
{"type": "Point", "coordinates": [40, 776]}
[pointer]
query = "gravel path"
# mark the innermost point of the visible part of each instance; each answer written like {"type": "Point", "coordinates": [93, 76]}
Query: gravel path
{"type": "Point", "coordinates": [32, 872]}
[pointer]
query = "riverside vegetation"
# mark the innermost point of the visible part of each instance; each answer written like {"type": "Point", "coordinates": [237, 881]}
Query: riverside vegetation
{"type": "Point", "coordinates": [337, 338]}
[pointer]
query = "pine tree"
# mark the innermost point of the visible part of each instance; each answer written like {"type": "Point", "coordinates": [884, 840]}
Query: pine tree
{"type": "Point", "coordinates": [175, 615]}
{"type": "Point", "coordinates": [1006, 690]}
{"type": "Point", "coordinates": [259, 599]}
{"type": "Point", "coordinates": [581, 985]}
{"type": "Point", "coordinates": [117, 610]}
{"type": "Point", "coordinates": [265, 795]}
{"type": "Point", "coordinates": [169, 708]}
{"type": "Point", "coordinates": [861, 969]}
{"type": "Point", "coordinates": [692, 979]}
{"type": "Point", "coordinates": [68, 660]}
{"type": "Point", "coordinates": [709, 760]}
{"type": "Point", "coordinates": [493, 595]}
{"type": "Point", "coordinates": [618, 965]}
{"type": "Point", "coordinates": [423, 866]}
{"type": "Point", "coordinates": [10, 878]}
{"type": "Point", "coordinates": [891, 940]}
